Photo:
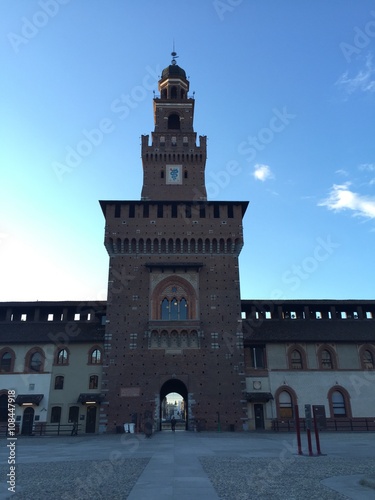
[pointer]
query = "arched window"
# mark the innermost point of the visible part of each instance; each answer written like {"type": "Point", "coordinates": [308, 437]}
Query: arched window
{"type": "Point", "coordinates": [95, 356]}
{"type": "Point", "coordinates": [285, 399]}
{"type": "Point", "coordinates": [183, 309]}
{"type": "Point", "coordinates": [297, 357]}
{"type": "Point", "coordinates": [327, 358]}
{"type": "Point", "coordinates": [34, 361]}
{"type": "Point", "coordinates": [59, 382]}
{"type": "Point", "coordinates": [174, 299]}
{"type": "Point", "coordinates": [174, 122]}
{"type": "Point", "coordinates": [174, 309]}
{"type": "Point", "coordinates": [367, 359]}
{"type": "Point", "coordinates": [285, 405]}
{"type": "Point", "coordinates": [338, 404]}
{"type": "Point", "coordinates": [6, 362]}
{"type": "Point", "coordinates": [93, 382]}
{"type": "Point", "coordinates": [62, 357]}
{"type": "Point", "coordinates": [165, 309]}
{"type": "Point", "coordinates": [296, 360]}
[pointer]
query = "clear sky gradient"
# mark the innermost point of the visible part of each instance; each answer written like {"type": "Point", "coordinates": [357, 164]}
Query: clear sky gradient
{"type": "Point", "coordinates": [285, 92]}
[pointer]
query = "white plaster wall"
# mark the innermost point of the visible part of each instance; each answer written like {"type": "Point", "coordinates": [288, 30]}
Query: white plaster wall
{"type": "Point", "coordinates": [76, 380]}
{"type": "Point", "coordinates": [312, 387]}
{"type": "Point", "coordinates": [20, 382]}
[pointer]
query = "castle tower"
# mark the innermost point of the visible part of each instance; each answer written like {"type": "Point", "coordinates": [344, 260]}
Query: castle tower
{"type": "Point", "coordinates": [174, 310]}
{"type": "Point", "coordinates": [173, 165]}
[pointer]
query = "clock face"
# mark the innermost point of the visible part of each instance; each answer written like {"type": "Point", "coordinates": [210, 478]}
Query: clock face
{"type": "Point", "coordinates": [257, 384]}
{"type": "Point", "coordinates": [174, 174]}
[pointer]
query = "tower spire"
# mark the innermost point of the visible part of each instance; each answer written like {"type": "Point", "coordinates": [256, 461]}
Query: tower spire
{"type": "Point", "coordinates": [174, 55]}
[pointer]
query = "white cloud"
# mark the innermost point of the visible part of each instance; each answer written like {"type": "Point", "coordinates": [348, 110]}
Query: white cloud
{"type": "Point", "coordinates": [342, 172]}
{"type": "Point", "coordinates": [368, 167]}
{"type": "Point", "coordinates": [364, 81]}
{"type": "Point", "coordinates": [262, 172]}
{"type": "Point", "coordinates": [342, 198]}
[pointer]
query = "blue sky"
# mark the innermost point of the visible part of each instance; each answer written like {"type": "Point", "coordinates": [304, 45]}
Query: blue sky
{"type": "Point", "coordinates": [285, 92]}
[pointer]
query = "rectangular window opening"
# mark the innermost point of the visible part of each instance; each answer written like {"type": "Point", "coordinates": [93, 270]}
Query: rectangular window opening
{"type": "Point", "coordinates": [257, 357]}
{"type": "Point", "coordinates": [174, 211]}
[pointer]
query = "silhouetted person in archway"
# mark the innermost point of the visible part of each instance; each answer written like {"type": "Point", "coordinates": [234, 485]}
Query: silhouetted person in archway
{"type": "Point", "coordinates": [173, 424]}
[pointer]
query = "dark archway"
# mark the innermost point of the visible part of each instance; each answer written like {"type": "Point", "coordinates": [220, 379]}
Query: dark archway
{"type": "Point", "coordinates": [174, 385]}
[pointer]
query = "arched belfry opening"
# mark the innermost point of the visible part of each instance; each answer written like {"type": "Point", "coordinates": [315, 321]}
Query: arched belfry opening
{"type": "Point", "coordinates": [174, 122]}
{"type": "Point", "coordinates": [174, 385]}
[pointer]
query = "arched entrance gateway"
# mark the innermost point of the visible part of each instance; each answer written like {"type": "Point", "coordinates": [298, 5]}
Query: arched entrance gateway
{"type": "Point", "coordinates": [174, 385]}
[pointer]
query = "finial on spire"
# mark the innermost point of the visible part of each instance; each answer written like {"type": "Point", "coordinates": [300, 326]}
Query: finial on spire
{"type": "Point", "coordinates": [174, 55]}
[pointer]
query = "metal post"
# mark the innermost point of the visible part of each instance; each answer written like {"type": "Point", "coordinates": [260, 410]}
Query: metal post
{"type": "Point", "coordinates": [316, 430]}
{"type": "Point", "coordinates": [298, 430]}
{"type": "Point", "coordinates": [308, 433]}
{"type": "Point", "coordinates": [308, 427]}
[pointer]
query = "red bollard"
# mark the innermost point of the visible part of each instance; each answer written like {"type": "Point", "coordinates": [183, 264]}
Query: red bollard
{"type": "Point", "coordinates": [308, 433]}
{"type": "Point", "coordinates": [316, 430]}
{"type": "Point", "coordinates": [298, 430]}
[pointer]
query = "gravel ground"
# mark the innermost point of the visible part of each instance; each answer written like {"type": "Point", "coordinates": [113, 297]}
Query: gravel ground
{"type": "Point", "coordinates": [81, 480]}
{"type": "Point", "coordinates": [291, 478]}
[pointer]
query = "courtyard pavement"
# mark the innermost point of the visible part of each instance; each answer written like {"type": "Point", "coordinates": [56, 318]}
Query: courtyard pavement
{"type": "Point", "coordinates": [188, 465]}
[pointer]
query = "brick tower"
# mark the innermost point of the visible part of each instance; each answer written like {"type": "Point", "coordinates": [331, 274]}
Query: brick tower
{"type": "Point", "coordinates": [174, 309]}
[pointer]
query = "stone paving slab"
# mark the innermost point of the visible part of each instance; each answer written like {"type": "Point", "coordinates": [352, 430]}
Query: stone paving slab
{"type": "Point", "coordinates": [190, 465]}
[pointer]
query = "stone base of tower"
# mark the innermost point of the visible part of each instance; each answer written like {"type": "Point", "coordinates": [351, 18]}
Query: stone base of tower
{"type": "Point", "coordinates": [212, 395]}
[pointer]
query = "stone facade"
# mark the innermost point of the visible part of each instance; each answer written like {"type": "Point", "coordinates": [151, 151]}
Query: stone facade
{"type": "Point", "coordinates": [51, 355]}
{"type": "Point", "coordinates": [309, 353]}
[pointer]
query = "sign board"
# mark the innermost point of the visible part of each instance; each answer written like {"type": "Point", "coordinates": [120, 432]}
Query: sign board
{"type": "Point", "coordinates": [320, 416]}
{"type": "Point", "coordinates": [308, 417]}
